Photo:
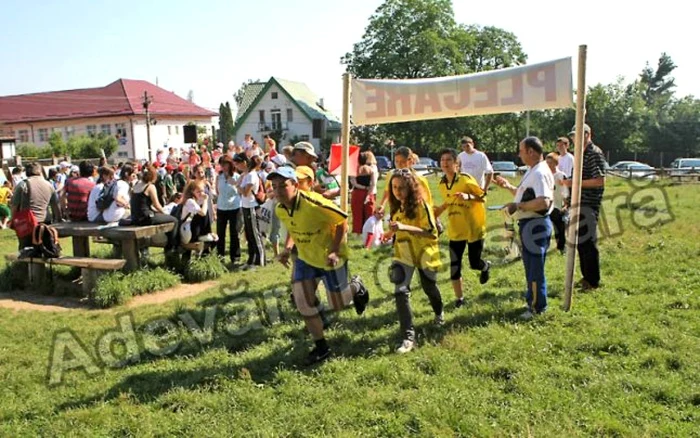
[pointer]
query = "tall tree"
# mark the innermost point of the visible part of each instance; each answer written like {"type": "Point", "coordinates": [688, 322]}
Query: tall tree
{"type": "Point", "coordinates": [658, 84]}
{"type": "Point", "coordinates": [225, 123]}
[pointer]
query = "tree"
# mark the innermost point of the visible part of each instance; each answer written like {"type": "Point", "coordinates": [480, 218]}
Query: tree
{"type": "Point", "coordinates": [658, 85]}
{"type": "Point", "coordinates": [58, 146]}
{"type": "Point", "coordinates": [238, 96]}
{"type": "Point", "coordinates": [418, 39]}
{"type": "Point", "coordinates": [85, 146]}
{"type": "Point", "coordinates": [225, 123]}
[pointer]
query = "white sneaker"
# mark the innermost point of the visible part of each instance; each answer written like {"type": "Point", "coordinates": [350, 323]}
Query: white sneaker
{"type": "Point", "coordinates": [405, 347]}
{"type": "Point", "coordinates": [208, 238]}
{"type": "Point", "coordinates": [527, 315]}
{"type": "Point", "coordinates": [440, 319]}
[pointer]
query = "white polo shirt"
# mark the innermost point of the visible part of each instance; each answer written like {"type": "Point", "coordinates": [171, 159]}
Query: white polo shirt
{"type": "Point", "coordinates": [566, 164]}
{"type": "Point", "coordinates": [476, 164]}
{"type": "Point", "coordinates": [540, 179]}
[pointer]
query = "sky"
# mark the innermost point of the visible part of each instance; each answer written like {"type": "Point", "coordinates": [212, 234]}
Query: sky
{"type": "Point", "coordinates": [212, 46]}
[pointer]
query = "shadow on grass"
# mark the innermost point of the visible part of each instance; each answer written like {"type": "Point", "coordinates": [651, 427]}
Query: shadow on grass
{"type": "Point", "coordinates": [147, 387]}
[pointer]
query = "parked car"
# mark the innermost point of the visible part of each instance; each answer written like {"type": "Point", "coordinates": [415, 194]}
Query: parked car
{"type": "Point", "coordinates": [506, 169]}
{"type": "Point", "coordinates": [425, 166]}
{"type": "Point", "coordinates": [682, 166]}
{"type": "Point", "coordinates": [383, 163]}
{"type": "Point", "coordinates": [632, 169]}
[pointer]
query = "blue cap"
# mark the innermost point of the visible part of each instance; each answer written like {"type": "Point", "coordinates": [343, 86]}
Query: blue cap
{"type": "Point", "coordinates": [285, 172]}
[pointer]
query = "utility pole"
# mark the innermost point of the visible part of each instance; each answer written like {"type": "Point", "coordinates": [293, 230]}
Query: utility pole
{"type": "Point", "coordinates": [147, 100]}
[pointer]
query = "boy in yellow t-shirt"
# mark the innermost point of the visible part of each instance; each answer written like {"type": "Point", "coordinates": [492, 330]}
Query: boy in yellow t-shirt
{"type": "Point", "coordinates": [466, 220]}
{"type": "Point", "coordinates": [318, 228]}
{"type": "Point", "coordinates": [5, 196]}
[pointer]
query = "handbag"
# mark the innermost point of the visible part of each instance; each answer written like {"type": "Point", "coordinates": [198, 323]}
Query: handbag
{"type": "Point", "coordinates": [24, 221]}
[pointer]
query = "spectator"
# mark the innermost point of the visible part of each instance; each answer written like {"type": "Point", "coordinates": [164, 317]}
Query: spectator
{"type": "Point", "coordinates": [362, 201]}
{"type": "Point", "coordinates": [145, 208]}
{"type": "Point", "coordinates": [247, 187]}
{"type": "Point", "coordinates": [560, 213]}
{"type": "Point", "coordinates": [475, 163]}
{"type": "Point", "coordinates": [5, 197]}
{"type": "Point", "coordinates": [228, 207]}
{"type": "Point", "coordinates": [77, 191]}
{"type": "Point", "coordinates": [38, 195]}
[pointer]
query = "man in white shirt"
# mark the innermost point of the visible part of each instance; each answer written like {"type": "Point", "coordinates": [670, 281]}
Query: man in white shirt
{"type": "Point", "coordinates": [566, 159]}
{"type": "Point", "coordinates": [475, 163]}
{"type": "Point", "coordinates": [532, 207]}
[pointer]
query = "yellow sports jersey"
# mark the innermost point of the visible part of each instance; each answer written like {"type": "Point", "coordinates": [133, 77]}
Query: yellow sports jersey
{"type": "Point", "coordinates": [414, 250]}
{"type": "Point", "coordinates": [466, 220]}
{"type": "Point", "coordinates": [5, 195]}
{"type": "Point", "coordinates": [311, 222]}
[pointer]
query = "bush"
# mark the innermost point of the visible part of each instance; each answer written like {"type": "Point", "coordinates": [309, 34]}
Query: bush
{"type": "Point", "coordinates": [13, 276]}
{"type": "Point", "coordinates": [204, 268]}
{"type": "Point", "coordinates": [117, 288]}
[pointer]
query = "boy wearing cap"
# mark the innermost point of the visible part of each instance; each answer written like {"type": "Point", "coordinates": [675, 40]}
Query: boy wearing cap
{"type": "Point", "coordinates": [318, 228]}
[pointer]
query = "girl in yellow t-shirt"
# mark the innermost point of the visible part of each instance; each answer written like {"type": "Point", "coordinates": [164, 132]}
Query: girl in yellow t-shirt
{"type": "Point", "coordinates": [415, 247]}
{"type": "Point", "coordinates": [5, 196]}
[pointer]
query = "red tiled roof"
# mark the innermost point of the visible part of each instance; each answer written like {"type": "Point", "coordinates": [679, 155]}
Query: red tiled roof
{"type": "Point", "coordinates": [121, 97]}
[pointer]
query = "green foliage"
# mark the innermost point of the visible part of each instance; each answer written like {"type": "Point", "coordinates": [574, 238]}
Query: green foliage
{"type": "Point", "coordinates": [13, 277]}
{"type": "Point", "coordinates": [30, 150]}
{"type": "Point", "coordinates": [85, 146]}
{"type": "Point", "coordinates": [205, 268]}
{"type": "Point", "coordinates": [116, 288]}
{"type": "Point", "coordinates": [58, 146]}
{"type": "Point", "coordinates": [225, 123]}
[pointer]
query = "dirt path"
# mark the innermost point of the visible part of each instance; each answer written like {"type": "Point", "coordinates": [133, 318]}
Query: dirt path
{"type": "Point", "coordinates": [45, 303]}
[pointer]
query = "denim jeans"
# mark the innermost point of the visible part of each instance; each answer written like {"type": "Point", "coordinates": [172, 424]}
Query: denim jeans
{"type": "Point", "coordinates": [535, 234]}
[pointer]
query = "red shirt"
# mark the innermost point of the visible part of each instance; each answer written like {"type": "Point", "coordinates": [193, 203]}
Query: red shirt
{"type": "Point", "coordinates": [77, 193]}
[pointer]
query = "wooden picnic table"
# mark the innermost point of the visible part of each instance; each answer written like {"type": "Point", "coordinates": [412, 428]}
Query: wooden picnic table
{"type": "Point", "coordinates": [127, 237]}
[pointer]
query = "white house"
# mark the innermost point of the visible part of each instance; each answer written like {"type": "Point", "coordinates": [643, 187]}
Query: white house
{"type": "Point", "coordinates": [289, 109]}
{"type": "Point", "coordinates": [116, 109]}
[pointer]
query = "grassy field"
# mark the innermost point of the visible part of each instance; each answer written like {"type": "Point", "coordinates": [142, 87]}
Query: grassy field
{"type": "Point", "coordinates": [624, 362]}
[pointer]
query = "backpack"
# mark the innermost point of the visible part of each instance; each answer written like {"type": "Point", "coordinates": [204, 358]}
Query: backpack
{"type": "Point", "coordinates": [107, 195]}
{"type": "Point", "coordinates": [45, 242]}
{"type": "Point", "coordinates": [260, 195]}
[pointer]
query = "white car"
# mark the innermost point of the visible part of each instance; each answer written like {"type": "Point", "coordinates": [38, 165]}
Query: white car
{"type": "Point", "coordinates": [425, 166]}
{"type": "Point", "coordinates": [506, 169]}
{"type": "Point", "coordinates": [682, 166]}
{"type": "Point", "coordinates": [633, 169]}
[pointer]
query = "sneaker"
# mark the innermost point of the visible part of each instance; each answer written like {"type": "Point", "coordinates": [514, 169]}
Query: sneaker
{"type": "Point", "coordinates": [485, 273]}
{"type": "Point", "coordinates": [361, 298]}
{"type": "Point", "coordinates": [439, 319]}
{"type": "Point", "coordinates": [317, 355]}
{"type": "Point", "coordinates": [208, 238]}
{"type": "Point", "coordinates": [527, 315]}
{"type": "Point", "coordinates": [406, 346]}
{"type": "Point", "coordinates": [584, 285]}
{"type": "Point", "coordinates": [459, 302]}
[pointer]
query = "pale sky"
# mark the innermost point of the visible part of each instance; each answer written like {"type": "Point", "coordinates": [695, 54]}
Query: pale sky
{"type": "Point", "coordinates": [212, 46]}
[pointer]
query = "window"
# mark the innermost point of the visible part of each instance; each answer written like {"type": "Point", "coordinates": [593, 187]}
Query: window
{"type": "Point", "coordinates": [169, 127]}
{"type": "Point", "coordinates": [262, 116]}
{"type": "Point", "coordinates": [177, 129]}
{"type": "Point", "coordinates": [304, 138]}
{"type": "Point", "coordinates": [68, 132]}
{"type": "Point", "coordinates": [106, 129]}
{"type": "Point", "coordinates": [43, 134]}
{"type": "Point", "coordinates": [121, 130]}
{"type": "Point", "coordinates": [317, 129]}
{"type": "Point", "coordinates": [289, 115]}
{"type": "Point", "coordinates": [274, 95]}
{"type": "Point", "coordinates": [122, 154]}
{"type": "Point", "coordinates": [91, 130]}
{"type": "Point", "coordinates": [23, 136]}
{"type": "Point", "coordinates": [276, 120]}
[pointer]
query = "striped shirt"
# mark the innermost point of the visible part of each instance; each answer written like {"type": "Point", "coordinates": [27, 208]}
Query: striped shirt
{"type": "Point", "coordinates": [593, 167]}
{"type": "Point", "coordinates": [77, 193]}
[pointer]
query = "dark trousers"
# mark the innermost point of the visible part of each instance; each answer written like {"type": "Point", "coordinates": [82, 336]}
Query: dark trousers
{"type": "Point", "coordinates": [588, 245]}
{"type": "Point", "coordinates": [401, 276]}
{"type": "Point", "coordinates": [159, 219]}
{"type": "Point", "coordinates": [457, 248]}
{"type": "Point", "coordinates": [256, 250]}
{"type": "Point", "coordinates": [228, 218]}
{"type": "Point", "coordinates": [559, 221]}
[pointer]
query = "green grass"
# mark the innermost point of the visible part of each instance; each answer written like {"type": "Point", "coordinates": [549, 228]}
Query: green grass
{"type": "Point", "coordinates": [624, 362]}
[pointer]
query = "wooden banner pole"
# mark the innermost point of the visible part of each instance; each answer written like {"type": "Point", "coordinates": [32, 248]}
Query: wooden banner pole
{"type": "Point", "coordinates": [575, 209]}
{"type": "Point", "coordinates": [345, 141]}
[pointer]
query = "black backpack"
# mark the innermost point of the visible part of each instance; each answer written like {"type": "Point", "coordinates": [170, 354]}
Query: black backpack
{"type": "Point", "coordinates": [45, 242]}
{"type": "Point", "coordinates": [107, 195]}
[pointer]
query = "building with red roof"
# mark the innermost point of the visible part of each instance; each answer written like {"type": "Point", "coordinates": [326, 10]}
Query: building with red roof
{"type": "Point", "coordinates": [116, 109]}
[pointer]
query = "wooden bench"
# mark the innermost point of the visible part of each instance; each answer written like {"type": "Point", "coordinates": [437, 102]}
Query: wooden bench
{"type": "Point", "coordinates": [129, 238]}
{"type": "Point", "coordinates": [90, 268]}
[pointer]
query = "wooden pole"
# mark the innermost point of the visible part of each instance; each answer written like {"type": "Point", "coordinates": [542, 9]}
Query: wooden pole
{"type": "Point", "coordinates": [575, 209]}
{"type": "Point", "coordinates": [345, 141]}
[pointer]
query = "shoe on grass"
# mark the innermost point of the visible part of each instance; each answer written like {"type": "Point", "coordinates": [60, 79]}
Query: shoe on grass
{"type": "Point", "coordinates": [361, 297]}
{"type": "Point", "coordinates": [485, 273]}
{"type": "Point", "coordinates": [406, 346]}
{"type": "Point", "coordinates": [317, 355]}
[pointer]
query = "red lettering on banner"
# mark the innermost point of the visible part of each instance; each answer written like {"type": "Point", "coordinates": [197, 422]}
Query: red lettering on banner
{"type": "Point", "coordinates": [491, 90]}
{"type": "Point", "coordinates": [461, 101]}
{"type": "Point", "coordinates": [395, 98]}
{"type": "Point", "coordinates": [517, 92]}
{"type": "Point", "coordinates": [427, 98]}
{"type": "Point", "coordinates": [544, 76]}
{"type": "Point", "coordinates": [378, 98]}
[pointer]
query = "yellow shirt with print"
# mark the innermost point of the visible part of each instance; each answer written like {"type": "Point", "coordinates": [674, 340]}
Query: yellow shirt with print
{"type": "Point", "coordinates": [466, 219]}
{"type": "Point", "coordinates": [422, 182]}
{"type": "Point", "coordinates": [5, 195]}
{"type": "Point", "coordinates": [413, 250]}
{"type": "Point", "coordinates": [312, 222]}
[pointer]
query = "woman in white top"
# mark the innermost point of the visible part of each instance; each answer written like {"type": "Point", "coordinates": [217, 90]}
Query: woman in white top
{"type": "Point", "coordinates": [248, 186]}
{"type": "Point", "coordinates": [195, 205]}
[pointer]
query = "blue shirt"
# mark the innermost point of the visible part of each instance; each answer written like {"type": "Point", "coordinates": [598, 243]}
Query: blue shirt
{"type": "Point", "coordinates": [228, 198]}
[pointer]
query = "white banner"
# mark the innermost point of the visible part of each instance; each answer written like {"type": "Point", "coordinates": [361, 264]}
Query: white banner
{"type": "Point", "coordinates": [529, 87]}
